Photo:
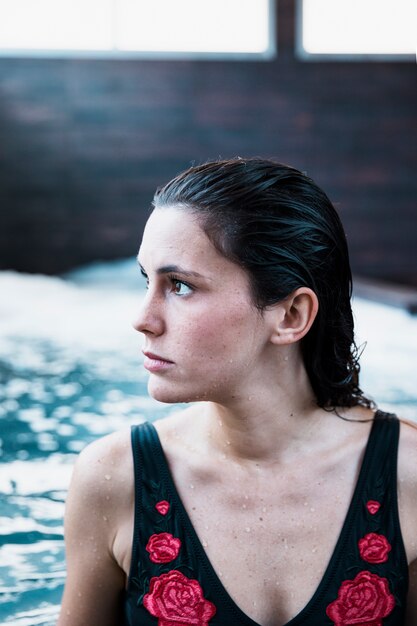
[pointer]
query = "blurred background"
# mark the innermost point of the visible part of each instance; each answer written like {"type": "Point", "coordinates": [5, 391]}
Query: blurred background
{"type": "Point", "coordinates": [101, 101]}
{"type": "Point", "coordinates": [85, 138]}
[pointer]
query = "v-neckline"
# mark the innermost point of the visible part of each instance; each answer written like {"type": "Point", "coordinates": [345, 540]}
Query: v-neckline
{"type": "Point", "coordinates": [239, 614]}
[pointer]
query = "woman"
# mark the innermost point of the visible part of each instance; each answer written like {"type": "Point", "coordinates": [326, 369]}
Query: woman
{"type": "Point", "coordinates": [272, 498]}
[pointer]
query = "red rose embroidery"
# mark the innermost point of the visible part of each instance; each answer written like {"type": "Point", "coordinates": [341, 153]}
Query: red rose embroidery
{"type": "Point", "coordinates": [373, 506]}
{"type": "Point", "coordinates": [163, 548]}
{"type": "Point", "coordinates": [374, 548]}
{"type": "Point", "coordinates": [178, 601]}
{"type": "Point", "coordinates": [162, 507]}
{"type": "Point", "coordinates": [364, 601]}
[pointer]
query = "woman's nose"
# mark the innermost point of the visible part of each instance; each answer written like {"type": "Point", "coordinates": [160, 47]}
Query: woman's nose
{"type": "Point", "coordinates": [149, 319]}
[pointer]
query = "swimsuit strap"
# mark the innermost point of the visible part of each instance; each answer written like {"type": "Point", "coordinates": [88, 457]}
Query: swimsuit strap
{"type": "Point", "coordinates": [162, 523]}
{"type": "Point", "coordinates": [371, 540]}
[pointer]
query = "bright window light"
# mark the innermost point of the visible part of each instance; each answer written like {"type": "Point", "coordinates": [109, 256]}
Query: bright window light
{"type": "Point", "coordinates": [56, 24]}
{"type": "Point", "coordinates": [187, 25]}
{"type": "Point", "coordinates": [386, 27]}
{"type": "Point", "coordinates": [137, 26]}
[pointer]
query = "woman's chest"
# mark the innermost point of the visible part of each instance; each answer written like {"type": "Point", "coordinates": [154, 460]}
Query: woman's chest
{"type": "Point", "coordinates": [269, 545]}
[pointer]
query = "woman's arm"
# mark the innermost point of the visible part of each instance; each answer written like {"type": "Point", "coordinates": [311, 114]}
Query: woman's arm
{"type": "Point", "coordinates": [407, 491]}
{"type": "Point", "coordinates": [99, 498]}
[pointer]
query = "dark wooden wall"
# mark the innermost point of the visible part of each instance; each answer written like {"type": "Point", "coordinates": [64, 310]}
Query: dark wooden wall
{"type": "Point", "coordinates": [84, 143]}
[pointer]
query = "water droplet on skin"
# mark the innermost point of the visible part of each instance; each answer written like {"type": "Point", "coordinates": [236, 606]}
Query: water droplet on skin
{"type": "Point", "coordinates": [305, 503]}
{"type": "Point", "coordinates": [264, 509]}
{"type": "Point", "coordinates": [191, 486]}
{"type": "Point", "coordinates": [312, 509]}
{"type": "Point", "coordinates": [247, 529]}
{"type": "Point", "coordinates": [105, 518]}
{"type": "Point", "coordinates": [227, 443]}
{"type": "Point", "coordinates": [243, 506]}
{"type": "Point", "coordinates": [107, 476]}
{"type": "Point", "coordinates": [314, 550]}
{"type": "Point", "coordinates": [204, 544]}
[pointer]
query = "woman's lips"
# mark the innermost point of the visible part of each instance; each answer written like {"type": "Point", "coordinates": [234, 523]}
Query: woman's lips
{"type": "Point", "coordinates": [155, 363]}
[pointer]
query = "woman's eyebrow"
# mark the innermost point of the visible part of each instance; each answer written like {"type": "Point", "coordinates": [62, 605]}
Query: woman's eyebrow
{"type": "Point", "coordinates": [176, 269]}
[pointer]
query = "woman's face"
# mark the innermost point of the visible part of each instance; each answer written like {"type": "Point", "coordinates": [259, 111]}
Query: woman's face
{"type": "Point", "coordinates": [197, 314]}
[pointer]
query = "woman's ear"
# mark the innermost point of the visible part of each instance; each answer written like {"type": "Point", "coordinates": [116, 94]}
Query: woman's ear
{"type": "Point", "coordinates": [294, 316]}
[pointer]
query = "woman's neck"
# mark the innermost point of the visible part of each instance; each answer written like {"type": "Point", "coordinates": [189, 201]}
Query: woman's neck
{"type": "Point", "coordinates": [264, 421]}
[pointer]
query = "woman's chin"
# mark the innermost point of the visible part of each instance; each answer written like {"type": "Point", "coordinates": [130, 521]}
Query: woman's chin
{"type": "Point", "coordinates": [162, 393]}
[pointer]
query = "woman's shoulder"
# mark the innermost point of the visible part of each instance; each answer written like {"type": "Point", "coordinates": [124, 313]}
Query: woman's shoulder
{"type": "Point", "coordinates": [407, 485]}
{"type": "Point", "coordinates": [106, 451]}
{"type": "Point", "coordinates": [407, 453]}
{"type": "Point", "coordinates": [103, 471]}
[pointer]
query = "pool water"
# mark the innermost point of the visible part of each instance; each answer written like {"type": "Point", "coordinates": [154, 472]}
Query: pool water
{"type": "Point", "coordinates": [70, 371]}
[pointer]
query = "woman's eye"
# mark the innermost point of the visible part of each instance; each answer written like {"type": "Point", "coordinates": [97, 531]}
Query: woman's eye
{"type": "Point", "coordinates": [177, 286]}
{"type": "Point", "coordinates": [180, 288]}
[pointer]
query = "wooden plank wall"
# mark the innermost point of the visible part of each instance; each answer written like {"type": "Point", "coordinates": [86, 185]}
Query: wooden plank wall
{"type": "Point", "coordinates": [84, 143]}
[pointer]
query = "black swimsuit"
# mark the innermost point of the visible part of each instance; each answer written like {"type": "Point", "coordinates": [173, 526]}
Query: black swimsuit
{"type": "Point", "coordinates": [172, 582]}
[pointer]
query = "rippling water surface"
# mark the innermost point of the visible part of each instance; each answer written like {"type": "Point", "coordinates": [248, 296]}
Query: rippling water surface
{"type": "Point", "coordinates": [70, 371]}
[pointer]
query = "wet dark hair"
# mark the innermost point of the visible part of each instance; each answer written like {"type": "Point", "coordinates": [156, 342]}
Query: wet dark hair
{"type": "Point", "coordinates": [277, 224]}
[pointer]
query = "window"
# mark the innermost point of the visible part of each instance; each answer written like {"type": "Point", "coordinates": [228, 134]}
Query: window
{"type": "Point", "coordinates": [357, 28]}
{"type": "Point", "coordinates": [161, 28]}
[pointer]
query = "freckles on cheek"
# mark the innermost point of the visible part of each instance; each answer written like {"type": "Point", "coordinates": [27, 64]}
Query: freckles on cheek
{"type": "Point", "coordinates": [206, 334]}
{"type": "Point", "coordinates": [203, 338]}
{"type": "Point", "coordinates": [220, 328]}
{"type": "Point", "coordinates": [195, 332]}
